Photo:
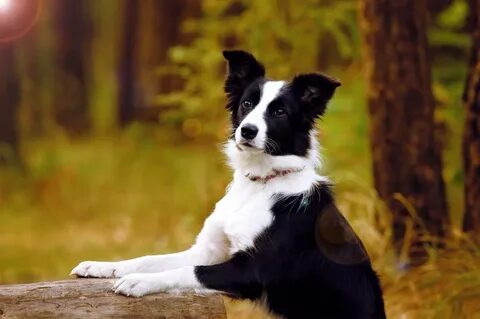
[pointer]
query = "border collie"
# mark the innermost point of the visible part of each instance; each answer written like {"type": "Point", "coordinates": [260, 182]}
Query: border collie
{"type": "Point", "coordinates": [276, 236]}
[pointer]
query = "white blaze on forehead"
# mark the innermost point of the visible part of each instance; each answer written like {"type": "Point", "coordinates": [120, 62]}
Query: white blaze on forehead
{"type": "Point", "coordinates": [270, 91]}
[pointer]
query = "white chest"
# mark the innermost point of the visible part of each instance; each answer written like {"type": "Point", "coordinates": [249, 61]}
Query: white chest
{"type": "Point", "coordinates": [246, 210]}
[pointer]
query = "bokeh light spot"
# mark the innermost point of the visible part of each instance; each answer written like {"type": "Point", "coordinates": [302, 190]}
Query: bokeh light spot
{"type": "Point", "coordinates": [4, 5]}
{"type": "Point", "coordinates": [17, 17]}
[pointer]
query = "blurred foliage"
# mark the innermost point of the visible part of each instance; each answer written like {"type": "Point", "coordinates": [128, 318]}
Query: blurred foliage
{"type": "Point", "coordinates": [271, 29]}
{"type": "Point", "coordinates": [449, 27]}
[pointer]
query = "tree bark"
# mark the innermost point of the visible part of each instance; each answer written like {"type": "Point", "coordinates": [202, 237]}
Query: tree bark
{"type": "Point", "coordinates": [73, 44]}
{"type": "Point", "coordinates": [437, 6]}
{"type": "Point", "coordinates": [9, 103]}
{"type": "Point", "coordinates": [161, 24]}
{"type": "Point", "coordinates": [93, 298]}
{"type": "Point", "coordinates": [171, 16]}
{"type": "Point", "coordinates": [127, 89]}
{"type": "Point", "coordinates": [471, 135]}
{"type": "Point", "coordinates": [407, 162]}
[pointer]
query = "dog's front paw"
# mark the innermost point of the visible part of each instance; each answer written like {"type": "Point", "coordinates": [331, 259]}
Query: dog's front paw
{"type": "Point", "coordinates": [137, 285]}
{"type": "Point", "coordinates": [98, 269]}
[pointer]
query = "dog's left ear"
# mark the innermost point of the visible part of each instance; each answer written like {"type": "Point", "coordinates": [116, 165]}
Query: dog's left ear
{"type": "Point", "coordinates": [314, 90]}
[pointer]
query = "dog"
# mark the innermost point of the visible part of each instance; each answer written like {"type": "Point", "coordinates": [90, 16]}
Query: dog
{"type": "Point", "coordinates": [276, 237]}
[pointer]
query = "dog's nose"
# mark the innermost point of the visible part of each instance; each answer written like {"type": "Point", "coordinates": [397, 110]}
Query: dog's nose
{"type": "Point", "coordinates": [249, 131]}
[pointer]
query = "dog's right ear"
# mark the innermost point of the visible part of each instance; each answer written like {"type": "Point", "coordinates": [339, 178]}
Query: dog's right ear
{"type": "Point", "coordinates": [243, 68]}
{"type": "Point", "coordinates": [243, 64]}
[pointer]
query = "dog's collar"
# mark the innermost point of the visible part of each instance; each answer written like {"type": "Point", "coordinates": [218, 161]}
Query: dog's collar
{"type": "Point", "coordinates": [272, 175]}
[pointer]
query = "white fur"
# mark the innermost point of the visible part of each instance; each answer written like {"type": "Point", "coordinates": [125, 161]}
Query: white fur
{"type": "Point", "coordinates": [271, 90]}
{"type": "Point", "coordinates": [176, 280]}
{"type": "Point", "coordinates": [209, 248]}
{"type": "Point", "coordinates": [239, 217]}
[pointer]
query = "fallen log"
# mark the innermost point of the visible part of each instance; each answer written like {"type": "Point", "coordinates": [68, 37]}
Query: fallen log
{"type": "Point", "coordinates": [93, 298]}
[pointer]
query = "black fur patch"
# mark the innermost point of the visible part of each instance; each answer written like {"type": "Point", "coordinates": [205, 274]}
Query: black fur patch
{"type": "Point", "coordinates": [313, 91]}
{"type": "Point", "coordinates": [336, 239]}
{"type": "Point", "coordinates": [252, 92]}
{"type": "Point", "coordinates": [289, 134]}
{"type": "Point", "coordinates": [294, 272]}
{"type": "Point", "coordinates": [243, 69]}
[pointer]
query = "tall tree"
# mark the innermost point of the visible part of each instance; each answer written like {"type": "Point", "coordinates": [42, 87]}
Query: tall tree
{"type": "Point", "coordinates": [407, 162]}
{"type": "Point", "coordinates": [9, 102]}
{"type": "Point", "coordinates": [162, 22]}
{"type": "Point", "coordinates": [159, 23]}
{"type": "Point", "coordinates": [127, 96]}
{"type": "Point", "coordinates": [471, 135]}
{"type": "Point", "coordinates": [437, 6]}
{"type": "Point", "coordinates": [73, 41]}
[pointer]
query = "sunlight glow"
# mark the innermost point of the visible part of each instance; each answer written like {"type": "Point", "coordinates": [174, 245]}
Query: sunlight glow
{"type": "Point", "coordinates": [4, 5]}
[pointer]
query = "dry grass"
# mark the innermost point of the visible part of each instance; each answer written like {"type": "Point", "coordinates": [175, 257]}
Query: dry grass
{"type": "Point", "coordinates": [448, 287]}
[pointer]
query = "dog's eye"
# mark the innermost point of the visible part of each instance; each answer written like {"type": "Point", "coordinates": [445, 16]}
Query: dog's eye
{"type": "Point", "coordinates": [247, 104]}
{"type": "Point", "coordinates": [279, 112]}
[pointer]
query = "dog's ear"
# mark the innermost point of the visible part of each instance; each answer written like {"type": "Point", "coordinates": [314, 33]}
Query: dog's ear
{"type": "Point", "coordinates": [314, 90]}
{"type": "Point", "coordinates": [243, 68]}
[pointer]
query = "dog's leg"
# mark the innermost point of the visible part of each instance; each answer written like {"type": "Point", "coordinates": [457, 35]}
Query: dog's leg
{"type": "Point", "coordinates": [211, 247]}
{"type": "Point", "coordinates": [234, 277]}
{"type": "Point", "coordinates": [145, 264]}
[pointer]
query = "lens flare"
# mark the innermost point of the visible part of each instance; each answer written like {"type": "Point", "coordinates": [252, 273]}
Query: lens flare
{"type": "Point", "coordinates": [4, 5]}
{"type": "Point", "coordinates": [17, 17]}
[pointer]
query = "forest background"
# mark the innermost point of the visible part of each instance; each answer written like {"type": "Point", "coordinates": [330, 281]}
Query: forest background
{"type": "Point", "coordinates": [112, 118]}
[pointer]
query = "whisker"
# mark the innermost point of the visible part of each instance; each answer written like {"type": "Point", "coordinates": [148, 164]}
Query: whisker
{"type": "Point", "coordinates": [269, 143]}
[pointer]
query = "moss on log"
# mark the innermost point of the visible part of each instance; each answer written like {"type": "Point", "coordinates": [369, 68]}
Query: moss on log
{"type": "Point", "coordinates": [93, 298]}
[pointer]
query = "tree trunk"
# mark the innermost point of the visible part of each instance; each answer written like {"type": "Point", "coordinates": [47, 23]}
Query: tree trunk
{"type": "Point", "coordinates": [93, 298]}
{"type": "Point", "coordinates": [407, 162]}
{"type": "Point", "coordinates": [471, 135]}
{"type": "Point", "coordinates": [73, 40]}
{"type": "Point", "coordinates": [9, 103]}
{"type": "Point", "coordinates": [166, 30]}
{"type": "Point", "coordinates": [161, 26]}
{"type": "Point", "coordinates": [437, 6]}
{"type": "Point", "coordinates": [127, 89]}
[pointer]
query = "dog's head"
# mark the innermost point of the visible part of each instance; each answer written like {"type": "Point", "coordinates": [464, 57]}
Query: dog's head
{"type": "Point", "coordinates": [273, 117]}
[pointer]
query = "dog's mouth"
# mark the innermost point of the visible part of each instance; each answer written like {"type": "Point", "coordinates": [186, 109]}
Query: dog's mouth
{"type": "Point", "coordinates": [245, 145]}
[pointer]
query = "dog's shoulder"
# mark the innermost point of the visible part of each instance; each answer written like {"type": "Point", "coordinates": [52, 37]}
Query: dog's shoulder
{"type": "Point", "coordinates": [316, 213]}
